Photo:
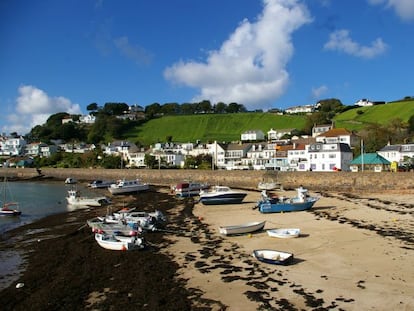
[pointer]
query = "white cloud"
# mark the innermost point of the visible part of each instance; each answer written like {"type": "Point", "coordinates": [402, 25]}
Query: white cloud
{"type": "Point", "coordinates": [319, 91]}
{"type": "Point", "coordinates": [34, 107]}
{"type": "Point", "coordinates": [340, 40]}
{"type": "Point", "coordinates": [403, 8]}
{"type": "Point", "coordinates": [250, 66]}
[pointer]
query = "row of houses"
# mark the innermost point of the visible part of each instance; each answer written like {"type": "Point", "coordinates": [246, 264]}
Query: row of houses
{"type": "Point", "coordinates": [328, 149]}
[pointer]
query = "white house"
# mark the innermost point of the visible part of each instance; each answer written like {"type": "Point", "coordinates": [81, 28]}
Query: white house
{"type": "Point", "coordinates": [298, 158]}
{"type": "Point", "coordinates": [320, 129]}
{"type": "Point", "coordinates": [300, 109]}
{"type": "Point", "coordinates": [87, 119]}
{"type": "Point", "coordinates": [252, 135]}
{"type": "Point", "coordinates": [338, 135]}
{"type": "Point", "coordinates": [218, 153]}
{"type": "Point", "coordinates": [364, 102]}
{"type": "Point", "coordinates": [12, 146]}
{"type": "Point", "coordinates": [397, 153]}
{"type": "Point", "coordinates": [329, 157]}
{"type": "Point", "coordinates": [278, 134]}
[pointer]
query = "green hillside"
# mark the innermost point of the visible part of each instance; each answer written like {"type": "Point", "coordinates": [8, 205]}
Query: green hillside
{"type": "Point", "coordinates": [228, 127]}
{"type": "Point", "coordinates": [210, 127]}
{"type": "Point", "coordinates": [358, 118]}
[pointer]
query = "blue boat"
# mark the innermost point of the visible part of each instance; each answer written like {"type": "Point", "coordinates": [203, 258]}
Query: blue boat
{"type": "Point", "coordinates": [301, 202]}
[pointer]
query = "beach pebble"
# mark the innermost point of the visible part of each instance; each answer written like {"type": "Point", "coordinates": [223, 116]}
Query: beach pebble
{"type": "Point", "coordinates": [19, 285]}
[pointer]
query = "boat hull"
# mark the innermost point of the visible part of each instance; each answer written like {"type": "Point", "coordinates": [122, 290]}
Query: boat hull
{"type": "Point", "coordinates": [128, 189]}
{"type": "Point", "coordinates": [273, 257]}
{"type": "Point", "coordinates": [234, 198]}
{"type": "Point", "coordinates": [284, 233]}
{"type": "Point", "coordinates": [278, 207]}
{"type": "Point", "coordinates": [112, 243]}
{"type": "Point", "coordinates": [243, 228]}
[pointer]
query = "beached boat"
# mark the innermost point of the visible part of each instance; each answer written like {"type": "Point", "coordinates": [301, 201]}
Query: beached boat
{"type": "Point", "coordinates": [188, 189]}
{"type": "Point", "coordinates": [269, 185]}
{"type": "Point", "coordinates": [127, 186]}
{"type": "Point", "coordinates": [100, 183]}
{"type": "Point", "coordinates": [70, 181]}
{"type": "Point", "coordinates": [243, 228]}
{"type": "Point", "coordinates": [111, 242]}
{"type": "Point", "coordinates": [115, 228]}
{"type": "Point", "coordinates": [146, 220]}
{"type": "Point", "coordinates": [280, 204]}
{"type": "Point", "coordinates": [8, 208]}
{"type": "Point", "coordinates": [221, 195]}
{"type": "Point", "coordinates": [124, 219]}
{"type": "Point", "coordinates": [284, 233]}
{"type": "Point", "coordinates": [273, 257]}
{"type": "Point", "coordinates": [75, 199]}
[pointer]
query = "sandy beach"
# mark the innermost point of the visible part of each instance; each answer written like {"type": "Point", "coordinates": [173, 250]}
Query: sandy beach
{"type": "Point", "coordinates": [354, 253]}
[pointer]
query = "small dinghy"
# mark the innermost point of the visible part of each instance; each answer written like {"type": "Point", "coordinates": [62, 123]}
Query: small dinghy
{"type": "Point", "coordinates": [273, 257]}
{"type": "Point", "coordinates": [284, 233]}
{"type": "Point", "coordinates": [242, 229]}
{"type": "Point", "coordinates": [115, 243]}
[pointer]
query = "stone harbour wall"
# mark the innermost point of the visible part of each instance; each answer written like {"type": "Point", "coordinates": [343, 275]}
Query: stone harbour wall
{"type": "Point", "coordinates": [316, 181]}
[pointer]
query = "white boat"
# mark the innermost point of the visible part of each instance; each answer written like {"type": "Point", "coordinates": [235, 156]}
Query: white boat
{"type": "Point", "coordinates": [111, 242]}
{"type": "Point", "coordinates": [70, 181]}
{"type": "Point", "coordinates": [269, 185]}
{"type": "Point", "coordinates": [98, 183]}
{"type": "Point", "coordinates": [8, 208]}
{"type": "Point", "coordinates": [273, 257]}
{"type": "Point", "coordinates": [221, 195]}
{"type": "Point", "coordinates": [284, 233]}
{"type": "Point", "coordinates": [127, 186]}
{"type": "Point", "coordinates": [75, 199]}
{"type": "Point", "coordinates": [243, 228]}
{"type": "Point", "coordinates": [146, 220]}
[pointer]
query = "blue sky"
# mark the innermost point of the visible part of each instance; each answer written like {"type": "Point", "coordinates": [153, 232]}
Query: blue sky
{"type": "Point", "coordinates": [58, 55]}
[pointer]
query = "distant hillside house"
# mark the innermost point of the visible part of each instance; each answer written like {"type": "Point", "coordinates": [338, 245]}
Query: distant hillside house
{"type": "Point", "coordinates": [278, 134]}
{"type": "Point", "coordinates": [300, 109]}
{"type": "Point", "coordinates": [87, 119]}
{"type": "Point", "coordinates": [364, 103]}
{"type": "Point", "coordinates": [252, 135]}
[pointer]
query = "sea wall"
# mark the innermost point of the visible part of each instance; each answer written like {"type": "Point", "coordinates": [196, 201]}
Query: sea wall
{"type": "Point", "coordinates": [316, 181]}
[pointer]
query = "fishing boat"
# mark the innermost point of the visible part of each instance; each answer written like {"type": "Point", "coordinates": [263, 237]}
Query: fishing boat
{"type": "Point", "coordinates": [127, 186]}
{"type": "Point", "coordinates": [284, 233]}
{"type": "Point", "coordinates": [277, 204]}
{"type": "Point", "coordinates": [243, 228]}
{"type": "Point", "coordinates": [75, 199]}
{"type": "Point", "coordinates": [221, 195]}
{"type": "Point", "coordinates": [188, 189]}
{"type": "Point", "coordinates": [273, 257]}
{"type": "Point", "coordinates": [8, 208]}
{"type": "Point", "coordinates": [111, 242]}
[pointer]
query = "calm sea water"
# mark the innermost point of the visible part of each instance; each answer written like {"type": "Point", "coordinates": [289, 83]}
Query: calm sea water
{"type": "Point", "coordinates": [36, 200]}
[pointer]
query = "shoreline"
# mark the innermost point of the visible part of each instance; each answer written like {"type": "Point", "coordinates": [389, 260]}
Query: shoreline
{"type": "Point", "coordinates": [354, 253]}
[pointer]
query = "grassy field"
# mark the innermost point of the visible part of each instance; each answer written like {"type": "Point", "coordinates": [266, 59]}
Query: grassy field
{"type": "Point", "coordinates": [229, 127]}
{"type": "Point", "coordinates": [210, 127]}
{"type": "Point", "coordinates": [356, 119]}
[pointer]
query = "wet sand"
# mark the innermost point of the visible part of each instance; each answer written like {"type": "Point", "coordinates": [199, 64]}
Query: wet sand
{"type": "Point", "coordinates": [355, 253]}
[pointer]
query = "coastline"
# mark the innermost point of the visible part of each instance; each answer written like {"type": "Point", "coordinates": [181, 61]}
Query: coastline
{"type": "Point", "coordinates": [354, 253]}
